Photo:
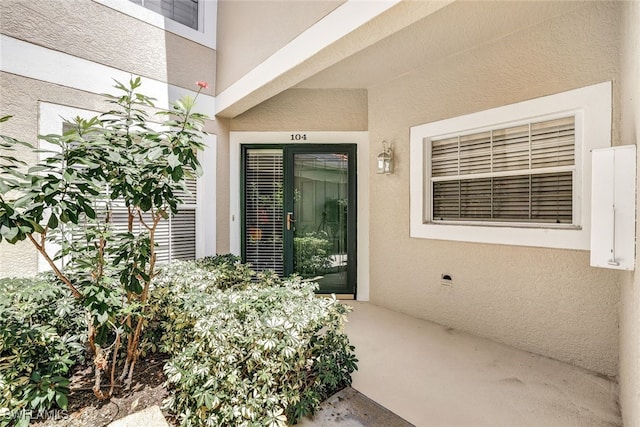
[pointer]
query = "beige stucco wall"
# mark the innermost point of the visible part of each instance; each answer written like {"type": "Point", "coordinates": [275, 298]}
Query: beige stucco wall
{"type": "Point", "coordinates": [546, 301]}
{"type": "Point", "coordinates": [89, 30]}
{"type": "Point", "coordinates": [222, 220]}
{"type": "Point", "coordinates": [20, 98]}
{"type": "Point", "coordinates": [629, 375]}
{"type": "Point", "coordinates": [251, 31]}
{"type": "Point", "coordinates": [308, 110]}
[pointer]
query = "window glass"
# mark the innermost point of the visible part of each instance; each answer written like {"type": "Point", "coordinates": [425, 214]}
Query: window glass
{"type": "Point", "coordinates": [182, 11]}
{"type": "Point", "coordinates": [512, 174]}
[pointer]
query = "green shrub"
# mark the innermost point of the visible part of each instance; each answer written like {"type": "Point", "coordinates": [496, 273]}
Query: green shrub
{"type": "Point", "coordinates": [42, 332]}
{"type": "Point", "coordinates": [231, 273]}
{"type": "Point", "coordinates": [312, 253]}
{"type": "Point", "coordinates": [264, 355]}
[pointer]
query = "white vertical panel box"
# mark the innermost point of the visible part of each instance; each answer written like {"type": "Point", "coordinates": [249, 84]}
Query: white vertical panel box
{"type": "Point", "coordinates": [613, 207]}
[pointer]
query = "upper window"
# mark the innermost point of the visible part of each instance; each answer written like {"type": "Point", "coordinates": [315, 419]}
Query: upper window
{"type": "Point", "coordinates": [514, 174]}
{"type": "Point", "coordinates": [518, 174]}
{"type": "Point", "coordinates": [182, 11]}
{"type": "Point", "coordinates": [194, 20]}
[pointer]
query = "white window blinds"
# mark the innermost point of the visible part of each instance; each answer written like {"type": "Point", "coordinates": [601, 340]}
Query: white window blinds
{"type": "Point", "coordinates": [263, 213]}
{"type": "Point", "coordinates": [522, 173]}
{"type": "Point", "coordinates": [175, 236]}
{"type": "Point", "coordinates": [182, 11]}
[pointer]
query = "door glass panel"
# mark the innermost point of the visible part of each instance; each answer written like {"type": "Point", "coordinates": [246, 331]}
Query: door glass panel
{"type": "Point", "coordinates": [320, 200]}
{"type": "Point", "coordinates": [263, 212]}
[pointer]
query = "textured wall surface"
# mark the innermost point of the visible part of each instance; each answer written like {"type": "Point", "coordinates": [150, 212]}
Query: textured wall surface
{"type": "Point", "coordinates": [550, 302]}
{"type": "Point", "coordinates": [251, 31]}
{"type": "Point", "coordinates": [20, 98]}
{"type": "Point", "coordinates": [629, 376]}
{"type": "Point", "coordinates": [91, 31]}
{"type": "Point", "coordinates": [309, 110]}
{"type": "Point", "coordinates": [100, 34]}
{"type": "Point", "coordinates": [222, 218]}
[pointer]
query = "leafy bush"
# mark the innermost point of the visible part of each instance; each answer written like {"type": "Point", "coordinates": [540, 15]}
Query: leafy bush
{"type": "Point", "coordinates": [71, 197]}
{"type": "Point", "coordinates": [312, 253]}
{"type": "Point", "coordinates": [231, 273]}
{"type": "Point", "coordinates": [42, 332]}
{"type": "Point", "coordinates": [262, 355]}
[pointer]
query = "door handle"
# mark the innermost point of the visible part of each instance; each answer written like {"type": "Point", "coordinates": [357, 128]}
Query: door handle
{"type": "Point", "coordinates": [290, 220]}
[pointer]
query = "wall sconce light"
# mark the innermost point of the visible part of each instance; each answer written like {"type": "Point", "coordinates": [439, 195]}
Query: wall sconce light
{"type": "Point", "coordinates": [385, 159]}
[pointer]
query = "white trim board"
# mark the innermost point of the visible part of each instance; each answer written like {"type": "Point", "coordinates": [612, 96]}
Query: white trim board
{"type": "Point", "coordinates": [361, 139]}
{"type": "Point", "coordinates": [39, 63]}
{"type": "Point", "coordinates": [592, 102]}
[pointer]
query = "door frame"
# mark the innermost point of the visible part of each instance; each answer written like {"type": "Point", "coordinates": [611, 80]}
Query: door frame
{"type": "Point", "coordinates": [361, 139]}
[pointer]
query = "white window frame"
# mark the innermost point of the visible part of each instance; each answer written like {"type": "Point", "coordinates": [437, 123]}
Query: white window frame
{"type": "Point", "coordinates": [591, 106]}
{"type": "Point", "coordinates": [207, 20]}
{"type": "Point", "coordinates": [51, 119]}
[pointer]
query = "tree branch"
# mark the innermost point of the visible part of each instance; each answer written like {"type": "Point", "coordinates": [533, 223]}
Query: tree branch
{"type": "Point", "coordinates": [54, 267]}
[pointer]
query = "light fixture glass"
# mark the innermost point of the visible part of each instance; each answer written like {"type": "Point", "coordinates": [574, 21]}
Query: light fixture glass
{"type": "Point", "coordinates": [385, 159]}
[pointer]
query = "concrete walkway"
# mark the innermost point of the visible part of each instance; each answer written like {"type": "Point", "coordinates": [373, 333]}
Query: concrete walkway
{"type": "Point", "coordinates": [435, 376]}
{"type": "Point", "coordinates": [416, 372]}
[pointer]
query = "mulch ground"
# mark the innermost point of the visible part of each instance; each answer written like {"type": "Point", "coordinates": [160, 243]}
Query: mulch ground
{"type": "Point", "coordinates": [86, 410]}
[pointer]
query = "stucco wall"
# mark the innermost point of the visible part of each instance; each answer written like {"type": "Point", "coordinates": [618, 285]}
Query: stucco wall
{"type": "Point", "coordinates": [20, 97]}
{"type": "Point", "coordinates": [308, 110]}
{"type": "Point", "coordinates": [100, 35]}
{"type": "Point", "coordinates": [629, 375]}
{"type": "Point", "coordinates": [222, 220]}
{"type": "Point", "coordinates": [251, 31]}
{"type": "Point", "coordinates": [546, 301]}
{"type": "Point", "coordinates": [89, 30]}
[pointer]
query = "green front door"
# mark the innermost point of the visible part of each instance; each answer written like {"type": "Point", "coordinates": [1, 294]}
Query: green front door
{"type": "Point", "coordinates": [300, 212]}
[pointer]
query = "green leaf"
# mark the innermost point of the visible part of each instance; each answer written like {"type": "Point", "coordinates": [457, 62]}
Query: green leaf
{"type": "Point", "coordinates": [102, 317]}
{"type": "Point", "coordinates": [173, 160]}
{"type": "Point", "coordinates": [9, 233]}
{"type": "Point", "coordinates": [177, 173]}
{"type": "Point", "coordinates": [53, 221]}
{"type": "Point", "coordinates": [155, 153]}
{"type": "Point", "coordinates": [89, 211]}
{"type": "Point", "coordinates": [61, 400]}
{"type": "Point", "coordinates": [36, 227]}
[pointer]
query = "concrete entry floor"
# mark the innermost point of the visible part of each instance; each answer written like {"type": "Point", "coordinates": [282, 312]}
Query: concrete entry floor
{"type": "Point", "coordinates": [431, 375]}
{"type": "Point", "coordinates": [350, 408]}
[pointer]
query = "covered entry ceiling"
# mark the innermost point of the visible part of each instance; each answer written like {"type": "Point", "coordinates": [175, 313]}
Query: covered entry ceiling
{"type": "Point", "coordinates": [412, 36]}
{"type": "Point", "coordinates": [456, 28]}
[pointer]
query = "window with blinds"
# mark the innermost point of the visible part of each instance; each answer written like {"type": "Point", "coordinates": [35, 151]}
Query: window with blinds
{"type": "Point", "coordinates": [175, 236]}
{"type": "Point", "coordinates": [263, 190]}
{"type": "Point", "coordinates": [517, 174]}
{"type": "Point", "coordinates": [182, 11]}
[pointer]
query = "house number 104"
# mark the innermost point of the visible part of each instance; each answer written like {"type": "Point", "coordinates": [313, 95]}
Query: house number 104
{"type": "Point", "coordinates": [298, 136]}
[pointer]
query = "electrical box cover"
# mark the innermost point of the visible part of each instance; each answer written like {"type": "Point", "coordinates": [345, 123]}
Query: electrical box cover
{"type": "Point", "coordinates": [613, 207]}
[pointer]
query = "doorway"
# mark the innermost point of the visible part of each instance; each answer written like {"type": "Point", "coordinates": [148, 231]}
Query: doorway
{"type": "Point", "coordinates": [299, 212]}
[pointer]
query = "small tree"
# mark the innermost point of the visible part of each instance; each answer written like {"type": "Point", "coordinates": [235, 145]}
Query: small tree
{"type": "Point", "coordinates": [69, 195]}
